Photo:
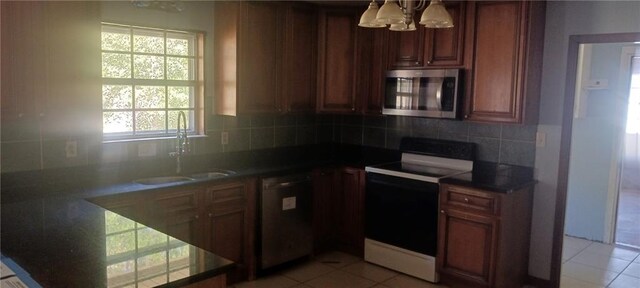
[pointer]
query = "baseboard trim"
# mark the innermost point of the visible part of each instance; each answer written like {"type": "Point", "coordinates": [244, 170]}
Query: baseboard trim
{"type": "Point", "coordinates": [538, 282]}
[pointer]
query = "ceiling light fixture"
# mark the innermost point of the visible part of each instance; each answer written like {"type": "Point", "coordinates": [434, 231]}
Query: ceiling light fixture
{"type": "Point", "coordinates": [399, 15]}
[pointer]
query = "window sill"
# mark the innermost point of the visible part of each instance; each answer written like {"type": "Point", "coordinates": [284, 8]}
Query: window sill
{"type": "Point", "coordinates": [109, 141]}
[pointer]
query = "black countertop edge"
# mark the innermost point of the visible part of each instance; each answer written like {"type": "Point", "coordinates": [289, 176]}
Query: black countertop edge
{"type": "Point", "coordinates": [494, 177]}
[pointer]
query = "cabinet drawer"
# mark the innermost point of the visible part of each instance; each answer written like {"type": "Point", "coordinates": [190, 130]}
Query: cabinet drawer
{"type": "Point", "coordinates": [230, 196]}
{"type": "Point", "coordinates": [471, 199]}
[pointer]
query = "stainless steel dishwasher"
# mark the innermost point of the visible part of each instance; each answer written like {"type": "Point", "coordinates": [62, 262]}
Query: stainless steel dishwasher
{"type": "Point", "coordinates": [285, 219]}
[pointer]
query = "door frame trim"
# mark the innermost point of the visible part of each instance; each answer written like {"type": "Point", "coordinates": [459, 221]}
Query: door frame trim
{"type": "Point", "coordinates": [565, 142]}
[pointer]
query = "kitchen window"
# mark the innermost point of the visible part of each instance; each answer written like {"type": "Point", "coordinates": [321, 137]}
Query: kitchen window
{"type": "Point", "coordinates": [148, 77]}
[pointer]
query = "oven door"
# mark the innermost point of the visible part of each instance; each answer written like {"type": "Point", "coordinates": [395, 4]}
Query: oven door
{"type": "Point", "coordinates": [402, 212]}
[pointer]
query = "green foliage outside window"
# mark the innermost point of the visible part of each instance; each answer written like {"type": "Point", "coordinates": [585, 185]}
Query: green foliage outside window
{"type": "Point", "coordinates": [148, 76]}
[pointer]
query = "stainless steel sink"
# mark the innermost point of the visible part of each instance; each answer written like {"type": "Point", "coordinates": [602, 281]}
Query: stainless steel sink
{"type": "Point", "coordinates": [212, 174]}
{"type": "Point", "coordinates": [162, 180]}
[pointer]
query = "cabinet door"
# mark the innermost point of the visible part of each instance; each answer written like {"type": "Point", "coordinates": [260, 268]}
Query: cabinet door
{"type": "Point", "coordinates": [372, 57]}
{"type": "Point", "coordinates": [498, 35]}
{"type": "Point", "coordinates": [351, 226]}
{"type": "Point", "coordinates": [445, 47]}
{"type": "Point", "coordinates": [406, 48]}
{"type": "Point", "coordinates": [260, 47]}
{"type": "Point", "coordinates": [23, 69]}
{"type": "Point", "coordinates": [230, 224]}
{"type": "Point", "coordinates": [177, 212]}
{"type": "Point", "coordinates": [299, 85]}
{"type": "Point", "coordinates": [337, 60]}
{"type": "Point", "coordinates": [324, 208]}
{"type": "Point", "coordinates": [467, 246]}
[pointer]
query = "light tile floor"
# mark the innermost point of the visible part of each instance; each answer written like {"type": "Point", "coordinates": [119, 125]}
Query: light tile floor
{"type": "Point", "coordinates": [587, 264]}
{"type": "Point", "coordinates": [337, 270]}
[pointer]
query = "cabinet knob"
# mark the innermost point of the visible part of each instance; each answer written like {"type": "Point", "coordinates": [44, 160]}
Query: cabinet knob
{"type": "Point", "coordinates": [466, 116]}
{"type": "Point", "coordinates": [466, 199]}
{"type": "Point", "coordinates": [429, 62]}
{"type": "Point", "coordinates": [353, 108]}
{"type": "Point", "coordinates": [196, 217]}
{"type": "Point", "coordinates": [442, 211]}
{"type": "Point", "coordinates": [417, 62]}
{"type": "Point", "coordinates": [20, 115]}
{"type": "Point", "coordinates": [210, 215]}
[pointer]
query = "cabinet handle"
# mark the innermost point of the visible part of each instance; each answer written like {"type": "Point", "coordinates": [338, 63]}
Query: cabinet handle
{"type": "Point", "coordinates": [443, 212]}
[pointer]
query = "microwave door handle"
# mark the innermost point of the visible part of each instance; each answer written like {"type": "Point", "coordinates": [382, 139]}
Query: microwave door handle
{"type": "Point", "coordinates": [439, 95]}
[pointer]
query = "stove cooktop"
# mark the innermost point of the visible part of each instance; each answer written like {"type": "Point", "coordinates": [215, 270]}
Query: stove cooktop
{"type": "Point", "coordinates": [414, 171]}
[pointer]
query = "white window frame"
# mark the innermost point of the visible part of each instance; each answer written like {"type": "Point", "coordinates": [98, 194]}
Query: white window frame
{"type": "Point", "coordinates": [195, 118]}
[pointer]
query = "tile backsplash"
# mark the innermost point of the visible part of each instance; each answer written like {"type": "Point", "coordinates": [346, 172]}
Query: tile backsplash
{"type": "Point", "coordinates": [501, 143]}
{"type": "Point", "coordinates": [508, 144]}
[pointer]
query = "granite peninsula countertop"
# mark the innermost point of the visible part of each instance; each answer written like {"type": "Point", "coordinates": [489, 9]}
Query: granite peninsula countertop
{"type": "Point", "coordinates": [63, 240]}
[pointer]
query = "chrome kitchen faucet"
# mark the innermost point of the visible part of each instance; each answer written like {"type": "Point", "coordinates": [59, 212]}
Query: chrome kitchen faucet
{"type": "Point", "coordinates": [182, 145]}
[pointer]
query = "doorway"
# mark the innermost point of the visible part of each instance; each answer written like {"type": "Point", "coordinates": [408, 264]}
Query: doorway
{"type": "Point", "coordinates": [627, 232]}
{"type": "Point", "coordinates": [601, 105]}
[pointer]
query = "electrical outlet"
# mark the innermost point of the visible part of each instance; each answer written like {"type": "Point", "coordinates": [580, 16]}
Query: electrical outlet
{"type": "Point", "coordinates": [224, 138]}
{"type": "Point", "coordinates": [71, 149]}
{"type": "Point", "coordinates": [541, 139]}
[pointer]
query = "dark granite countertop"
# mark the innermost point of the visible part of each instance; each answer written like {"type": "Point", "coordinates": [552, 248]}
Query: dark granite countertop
{"type": "Point", "coordinates": [63, 240]}
{"type": "Point", "coordinates": [494, 177]}
{"type": "Point", "coordinates": [68, 242]}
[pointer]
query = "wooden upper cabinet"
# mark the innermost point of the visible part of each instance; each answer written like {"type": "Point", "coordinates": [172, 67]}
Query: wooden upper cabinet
{"type": "Point", "coordinates": [261, 45]}
{"type": "Point", "coordinates": [264, 57]}
{"type": "Point", "coordinates": [428, 47]}
{"type": "Point", "coordinates": [300, 48]}
{"type": "Point", "coordinates": [445, 47]}
{"type": "Point", "coordinates": [372, 50]}
{"type": "Point", "coordinates": [507, 39]}
{"type": "Point", "coordinates": [337, 60]}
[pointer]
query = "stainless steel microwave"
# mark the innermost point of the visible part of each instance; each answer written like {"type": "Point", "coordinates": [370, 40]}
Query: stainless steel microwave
{"type": "Point", "coordinates": [423, 93]}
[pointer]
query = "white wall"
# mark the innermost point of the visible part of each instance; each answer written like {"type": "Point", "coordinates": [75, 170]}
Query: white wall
{"type": "Point", "coordinates": [564, 19]}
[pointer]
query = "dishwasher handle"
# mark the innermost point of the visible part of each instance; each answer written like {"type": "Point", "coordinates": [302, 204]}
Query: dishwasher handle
{"type": "Point", "coordinates": [284, 184]}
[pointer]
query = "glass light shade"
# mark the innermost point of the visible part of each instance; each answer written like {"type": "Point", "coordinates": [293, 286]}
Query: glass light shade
{"type": "Point", "coordinates": [390, 13]}
{"type": "Point", "coordinates": [403, 27]}
{"type": "Point", "coordinates": [368, 18]}
{"type": "Point", "coordinates": [436, 16]}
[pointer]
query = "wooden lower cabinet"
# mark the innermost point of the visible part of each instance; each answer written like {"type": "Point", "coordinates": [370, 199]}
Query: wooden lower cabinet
{"type": "Point", "coordinates": [177, 212]}
{"type": "Point", "coordinates": [230, 223]}
{"type": "Point", "coordinates": [483, 237]}
{"type": "Point", "coordinates": [338, 220]}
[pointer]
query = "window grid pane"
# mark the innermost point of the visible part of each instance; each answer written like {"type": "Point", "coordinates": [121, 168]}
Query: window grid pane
{"type": "Point", "coordinates": [166, 61]}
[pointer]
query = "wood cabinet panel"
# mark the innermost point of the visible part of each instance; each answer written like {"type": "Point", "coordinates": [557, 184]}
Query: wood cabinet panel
{"type": "Point", "coordinates": [264, 57]}
{"type": "Point", "coordinates": [299, 85]}
{"type": "Point", "coordinates": [445, 47]}
{"type": "Point", "coordinates": [227, 235]}
{"type": "Point", "coordinates": [351, 238]}
{"type": "Point", "coordinates": [261, 45]}
{"type": "Point", "coordinates": [483, 243]}
{"type": "Point", "coordinates": [337, 60]}
{"type": "Point", "coordinates": [338, 216]}
{"type": "Point", "coordinates": [324, 183]}
{"type": "Point", "coordinates": [507, 39]}
{"type": "Point", "coordinates": [230, 223]}
{"type": "Point", "coordinates": [428, 47]}
{"type": "Point", "coordinates": [467, 245]}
